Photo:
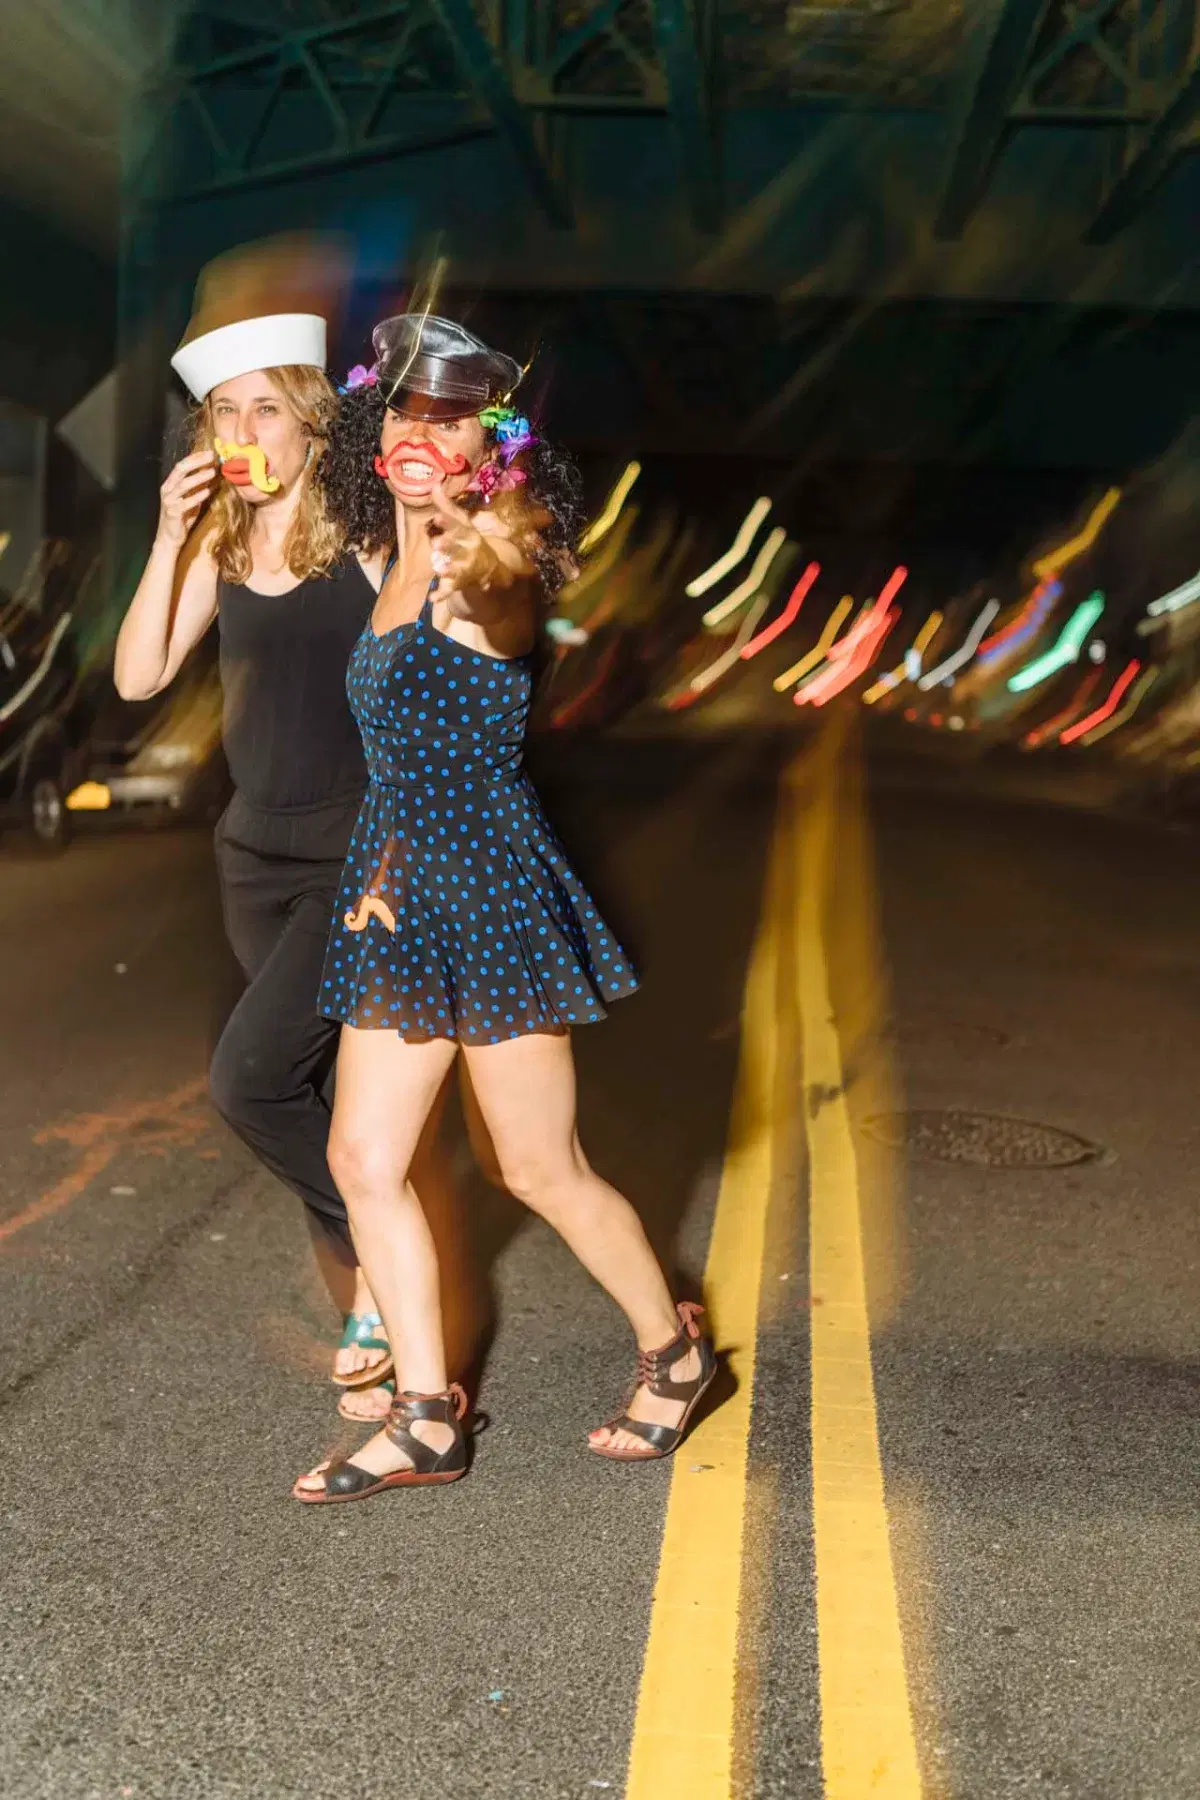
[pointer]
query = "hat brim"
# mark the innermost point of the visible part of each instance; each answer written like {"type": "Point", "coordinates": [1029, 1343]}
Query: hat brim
{"type": "Point", "coordinates": [431, 407]}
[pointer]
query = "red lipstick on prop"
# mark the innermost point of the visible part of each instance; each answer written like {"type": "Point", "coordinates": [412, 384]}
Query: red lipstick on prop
{"type": "Point", "coordinates": [426, 453]}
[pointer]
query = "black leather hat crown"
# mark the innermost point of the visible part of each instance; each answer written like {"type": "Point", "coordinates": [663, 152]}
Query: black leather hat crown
{"type": "Point", "coordinates": [435, 369]}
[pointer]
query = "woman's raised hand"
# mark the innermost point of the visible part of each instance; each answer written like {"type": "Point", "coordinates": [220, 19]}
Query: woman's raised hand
{"type": "Point", "coordinates": [472, 550]}
{"type": "Point", "coordinates": [183, 495]}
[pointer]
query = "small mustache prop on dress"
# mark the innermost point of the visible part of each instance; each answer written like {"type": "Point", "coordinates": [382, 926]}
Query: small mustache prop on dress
{"type": "Point", "coordinates": [423, 453]}
{"type": "Point", "coordinates": [245, 465]}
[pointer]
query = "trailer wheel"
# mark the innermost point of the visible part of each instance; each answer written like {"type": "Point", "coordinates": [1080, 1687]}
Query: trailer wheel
{"type": "Point", "coordinates": [47, 821]}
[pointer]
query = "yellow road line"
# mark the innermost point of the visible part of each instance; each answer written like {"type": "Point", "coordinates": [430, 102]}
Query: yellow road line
{"type": "Point", "coordinates": [683, 1740]}
{"type": "Point", "coordinates": [867, 1746]}
{"type": "Point", "coordinates": [684, 1727]}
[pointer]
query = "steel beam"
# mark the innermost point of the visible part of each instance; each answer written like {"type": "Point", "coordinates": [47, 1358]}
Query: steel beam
{"type": "Point", "coordinates": [485, 72]}
{"type": "Point", "coordinates": [1001, 37]}
{"type": "Point", "coordinates": [1163, 142]}
{"type": "Point", "coordinates": [688, 89]}
{"type": "Point", "coordinates": [1180, 26]}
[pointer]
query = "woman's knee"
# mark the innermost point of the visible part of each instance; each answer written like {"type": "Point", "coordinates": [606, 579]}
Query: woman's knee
{"type": "Point", "coordinates": [230, 1087]}
{"type": "Point", "coordinates": [247, 1078]}
{"type": "Point", "coordinates": [548, 1185]}
{"type": "Point", "coordinates": [362, 1168]}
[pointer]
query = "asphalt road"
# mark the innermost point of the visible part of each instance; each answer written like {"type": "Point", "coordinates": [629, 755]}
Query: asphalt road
{"type": "Point", "coordinates": [176, 1627]}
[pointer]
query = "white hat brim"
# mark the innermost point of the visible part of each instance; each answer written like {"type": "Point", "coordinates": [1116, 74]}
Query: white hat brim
{"type": "Point", "coordinates": [270, 342]}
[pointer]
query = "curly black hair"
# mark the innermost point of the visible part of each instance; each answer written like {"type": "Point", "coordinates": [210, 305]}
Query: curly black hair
{"type": "Point", "coordinates": [361, 504]}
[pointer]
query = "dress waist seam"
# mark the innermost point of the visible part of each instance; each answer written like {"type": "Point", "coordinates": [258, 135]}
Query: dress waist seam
{"type": "Point", "coordinates": [454, 781]}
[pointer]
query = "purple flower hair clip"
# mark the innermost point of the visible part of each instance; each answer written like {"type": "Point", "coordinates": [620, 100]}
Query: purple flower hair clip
{"type": "Point", "coordinates": [359, 376]}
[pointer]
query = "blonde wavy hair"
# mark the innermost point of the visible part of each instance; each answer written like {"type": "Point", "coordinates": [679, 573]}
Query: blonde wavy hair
{"type": "Point", "coordinates": [314, 542]}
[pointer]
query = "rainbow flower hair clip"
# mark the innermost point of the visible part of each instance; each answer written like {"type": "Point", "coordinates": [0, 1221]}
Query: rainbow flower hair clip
{"type": "Point", "coordinates": [513, 431]}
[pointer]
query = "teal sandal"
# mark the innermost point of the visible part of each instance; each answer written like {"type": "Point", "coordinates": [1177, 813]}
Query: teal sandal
{"type": "Point", "coordinates": [366, 1331]}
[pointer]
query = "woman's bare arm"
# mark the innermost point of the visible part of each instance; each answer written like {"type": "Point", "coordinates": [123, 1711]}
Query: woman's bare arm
{"type": "Point", "coordinates": [484, 573]}
{"type": "Point", "coordinates": [176, 599]}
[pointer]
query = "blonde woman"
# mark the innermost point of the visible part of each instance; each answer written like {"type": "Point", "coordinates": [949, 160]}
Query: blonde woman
{"type": "Point", "coordinates": [244, 539]}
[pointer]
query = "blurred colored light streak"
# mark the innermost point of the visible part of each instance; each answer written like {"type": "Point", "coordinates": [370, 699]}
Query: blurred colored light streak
{"type": "Point", "coordinates": [787, 617]}
{"type": "Point", "coordinates": [820, 649]}
{"type": "Point", "coordinates": [563, 632]}
{"type": "Point", "coordinates": [16, 701]}
{"type": "Point", "coordinates": [1065, 651]}
{"type": "Point", "coordinates": [611, 510]}
{"type": "Point", "coordinates": [891, 587]}
{"type": "Point", "coordinates": [600, 565]}
{"type": "Point", "coordinates": [1057, 560]}
{"type": "Point", "coordinates": [700, 683]}
{"type": "Point", "coordinates": [1034, 739]}
{"type": "Point", "coordinates": [854, 659]}
{"type": "Point", "coordinates": [745, 590]}
{"type": "Point", "coordinates": [736, 551]}
{"type": "Point", "coordinates": [944, 671]}
{"type": "Point", "coordinates": [1019, 630]}
{"type": "Point", "coordinates": [1177, 598]}
{"type": "Point", "coordinates": [863, 630]}
{"type": "Point", "coordinates": [570, 709]}
{"type": "Point", "coordinates": [1109, 707]}
{"type": "Point", "coordinates": [633, 576]}
{"type": "Point", "coordinates": [1138, 692]}
{"type": "Point", "coordinates": [911, 666]}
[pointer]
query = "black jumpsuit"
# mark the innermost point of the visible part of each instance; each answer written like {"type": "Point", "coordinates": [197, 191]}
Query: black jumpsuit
{"type": "Point", "coordinates": [296, 759]}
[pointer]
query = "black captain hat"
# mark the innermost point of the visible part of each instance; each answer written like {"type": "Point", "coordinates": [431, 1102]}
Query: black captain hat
{"type": "Point", "coordinates": [431, 368]}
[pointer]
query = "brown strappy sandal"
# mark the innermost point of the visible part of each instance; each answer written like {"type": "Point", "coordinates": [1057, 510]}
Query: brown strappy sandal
{"type": "Point", "coordinates": [345, 1480]}
{"type": "Point", "coordinates": [654, 1372]}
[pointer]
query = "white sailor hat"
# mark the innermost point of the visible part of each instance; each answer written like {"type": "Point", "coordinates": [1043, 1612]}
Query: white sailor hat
{"type": "Point", "coordinates": [272, 341]}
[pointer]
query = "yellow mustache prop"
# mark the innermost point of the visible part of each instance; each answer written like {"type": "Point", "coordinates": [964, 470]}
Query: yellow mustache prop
{"type": "Point", "coordinates": [256, 464]}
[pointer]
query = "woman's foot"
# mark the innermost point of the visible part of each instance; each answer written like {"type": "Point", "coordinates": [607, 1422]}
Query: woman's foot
{"type": "Point", "coordinates": [423, 1442]}
{"type": "Point", "coordinates": [685, 1363]}
{"type": "Point", "coordinates": [364, 1354]}
{"type": "Point", "coordinates": [367, 1405]}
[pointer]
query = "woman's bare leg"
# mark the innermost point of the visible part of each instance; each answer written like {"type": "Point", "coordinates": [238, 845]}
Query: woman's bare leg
{"type": "Point", "coordinates": [386, 1090]}
{"type": "Point", "coordinates": [526, 1094]}
{"type": "Point", "coordinates": [463, 1308]}
{"type": "Point", "coordinates": [478, 1135]}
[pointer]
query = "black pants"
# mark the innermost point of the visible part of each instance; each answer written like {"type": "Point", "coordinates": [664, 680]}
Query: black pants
{"type": "Point", "coordinates": [271, 1074]}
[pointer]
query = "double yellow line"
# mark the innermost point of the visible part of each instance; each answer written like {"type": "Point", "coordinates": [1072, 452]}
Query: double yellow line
{"type": "Point", "coordinates": [686, 1725]}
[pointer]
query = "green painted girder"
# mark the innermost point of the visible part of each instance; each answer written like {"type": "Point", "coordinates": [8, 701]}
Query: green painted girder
{"type": "Point", "coordinates": [1001, 35]}
{"type": "Point", "coordinates": [483, 69]}
{"type": "Point", "coordinates": [689, 88]}
{"type": "Point", "coordinates": [340, 66]}
{"type": "Point", "coordinates": [304, 91]}
{"type": "Point", "coordinates": [1163, 143]}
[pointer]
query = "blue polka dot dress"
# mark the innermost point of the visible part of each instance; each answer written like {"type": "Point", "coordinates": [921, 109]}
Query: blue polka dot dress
{"type": "Point", "coordinates": [458, 914]}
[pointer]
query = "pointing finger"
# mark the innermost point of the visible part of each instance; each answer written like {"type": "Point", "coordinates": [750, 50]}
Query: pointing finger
{"type": "Point", "coordinates": [449, 508]}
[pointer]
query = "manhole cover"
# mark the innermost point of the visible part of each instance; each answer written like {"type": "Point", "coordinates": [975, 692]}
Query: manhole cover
{"type": "Point", "coordinates": [986, 1138]}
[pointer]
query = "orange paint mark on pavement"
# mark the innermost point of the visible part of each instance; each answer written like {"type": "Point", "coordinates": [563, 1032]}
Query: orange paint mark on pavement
{"type": "Point", "coordinates": [171, 1121]}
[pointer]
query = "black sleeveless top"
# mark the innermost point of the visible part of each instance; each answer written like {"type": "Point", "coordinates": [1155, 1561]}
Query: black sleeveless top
{"type": "Point", "coordinates": [292, 745]}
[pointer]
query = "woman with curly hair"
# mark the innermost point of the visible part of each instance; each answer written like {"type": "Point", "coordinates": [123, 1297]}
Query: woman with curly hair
{"type": "Point", "coordinates": [245, 539]}
{"type": "Point", "coordinates": [460, 927]}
